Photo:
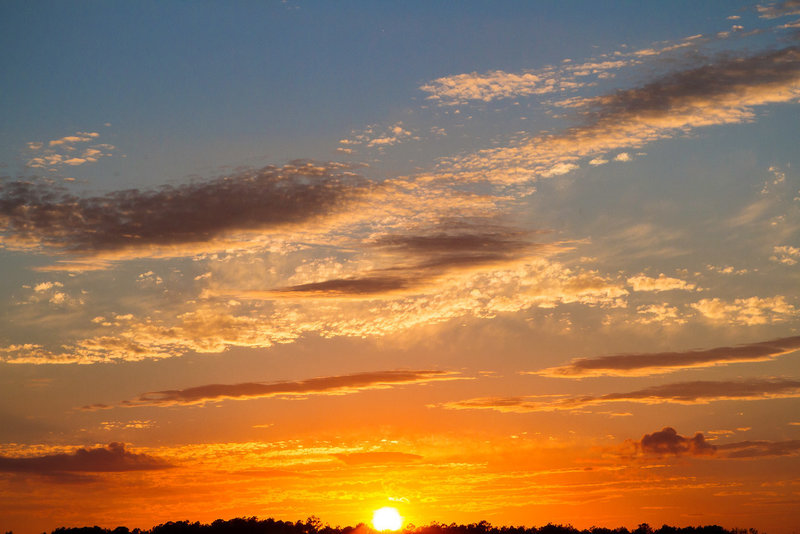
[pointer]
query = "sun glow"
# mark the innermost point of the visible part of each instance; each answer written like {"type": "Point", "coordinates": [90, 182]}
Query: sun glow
{"type": "Point", "coordinates": [387, 518]}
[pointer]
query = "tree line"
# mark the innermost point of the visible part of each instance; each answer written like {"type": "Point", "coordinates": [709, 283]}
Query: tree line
{"type": "Point", "coordinates": [253, 525]}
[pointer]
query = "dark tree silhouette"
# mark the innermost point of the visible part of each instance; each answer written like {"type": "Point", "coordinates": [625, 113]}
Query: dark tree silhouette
{"type": "Point", "coordinates": [313, 525]}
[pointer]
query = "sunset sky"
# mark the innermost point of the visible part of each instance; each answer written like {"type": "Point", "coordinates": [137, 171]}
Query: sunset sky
{"type": "Point", "coordinates": [522, 262]}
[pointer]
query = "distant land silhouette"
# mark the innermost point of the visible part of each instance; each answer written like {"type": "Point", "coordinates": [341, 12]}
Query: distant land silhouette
{"type": "Point", "coordinates": [253, 525]}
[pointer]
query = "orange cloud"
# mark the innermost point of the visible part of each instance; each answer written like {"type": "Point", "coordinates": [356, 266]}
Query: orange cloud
{"type": "Point", "coordinates": [724, 92]}
{"type": "Point", "coordinates": [664, 362]}
{"type": "Point", "coordinates": [696, 392]}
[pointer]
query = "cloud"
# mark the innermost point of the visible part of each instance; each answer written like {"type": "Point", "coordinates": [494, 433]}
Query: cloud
{"type": "Point", "coordinates": [271, 198]}
{"type": "Point", "coordinates": [721, 92]}
{"type": "Point", "coordinates": [492, 85]}
{"type": "Point", "coordinates": [779, 9]}
{"type": "Point", "coordinates": [668, 442]}
{"type": "Point", "coordinates": [497, 84]}
{"type": "Point", "coordinates": [746, 311]}
{"type": "Point", "coordinates": [661, 314]}
{"type": "Point", "coordinates": [759, 449]}
{"type": "Point", "coordinates": [786, 254]}
{"type": "Point", "coordinates": [58, 152]}
{"type": "Point", "coordinates": [377, 458]}
{"type": "Point", "coordinates": [642, 282]}
{"type": "Point", "coordinates": [697, 392]}
{"type": "Point", "coordinates": [663, 362]}
{"type": "Point", "coordinates": [374, 136]}
{"type": "Point", "coordinates": [418, 258]}
{"type": "Point", "coordinates": [328, 385]}
{"type": "Point", "coordinates": [111, 458]}
{"type": "Point", "coordinates": [211, 325]}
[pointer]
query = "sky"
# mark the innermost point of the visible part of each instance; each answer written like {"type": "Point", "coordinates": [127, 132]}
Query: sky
{"type": "Point", "coordinates": [522, 262]}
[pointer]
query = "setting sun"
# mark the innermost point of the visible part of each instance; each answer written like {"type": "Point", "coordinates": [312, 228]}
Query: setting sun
{"type": "Point", "coordinates": [387, 518]}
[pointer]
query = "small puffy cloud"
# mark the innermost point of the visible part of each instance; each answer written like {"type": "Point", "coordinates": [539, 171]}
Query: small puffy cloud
{"type": "Point", "coordinates": [746, 311]}
{"type": "Point", "coordinates": [695, 392]}
{"type": "Point", "coordinates": [623, 156]}
{"type": "Point", "coordinates": [668, 442]}
{"type": "Point", "coordinates": [786, 254]}
{"type": "Point", "coordinates": [67, 151]}
{"type": "Point", "coordinates": [111, 458]}
{"type": "Point", "coordinates": [328, 385]}
{"type": "Point", "coordinates": [374, 136]}
{"type": "Point", "coordinates": [661, 314]}
{"type": "Point", "coordinates": [642, 282]}
{"type": "Point", "coordinates": [80, 137]}
{"type": "Point", "coordinates": [664, 362]}
{"type": "Point", "coordinates": [599, 160]}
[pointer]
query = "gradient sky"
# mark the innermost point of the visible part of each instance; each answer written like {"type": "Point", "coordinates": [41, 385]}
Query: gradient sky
{"type": "Point", "coordinates": [522, 262]}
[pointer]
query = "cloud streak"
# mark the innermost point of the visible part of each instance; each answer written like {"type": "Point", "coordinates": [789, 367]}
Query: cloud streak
{"type": "Point", "coordinates": [696, 392]}
{"type": "Point", "coordinates": [111, 458]}
{"type": "Point", "coordinates": [723, 92]}
{"type": "Point", "coordinates": [328, 385]}
{"type": "Point", "coordinates": [42, 216]}
{"type": "Point", "coordinates": [641, 364]}
{"type": "Point", "coordinates": [417, 259]}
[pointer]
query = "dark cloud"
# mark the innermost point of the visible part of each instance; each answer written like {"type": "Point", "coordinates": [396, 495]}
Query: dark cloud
{"type": "Point", "coordinates": [668, 442]}
{"type": "Point", "coordinates": [377, 458]}
{"type": "Point", "coordinates": [724, 83]}
{"type": "Point", "coordinates": [703, 391]}
{"type": "Point", "coordinates": [758, 449]}
{"type": "Point", "coordinates": [267, 198]}
{"type": "Point", "coordinates": [112, 457]}
{"type": "Point", "coordinates": [328, 385]}
{"type": "Point", "coordinates": [418, 258]}
{"type": "Point", "coordinates": [696, 392]}
{"type": "Point", "coordinates": [660, 362]}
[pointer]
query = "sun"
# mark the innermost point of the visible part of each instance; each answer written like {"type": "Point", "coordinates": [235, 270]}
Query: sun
{"type": "Point", "coordinates": [387, 518]}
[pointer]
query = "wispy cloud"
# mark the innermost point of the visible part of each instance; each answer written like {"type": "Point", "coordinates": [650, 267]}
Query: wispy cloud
{"type": "Point", "coordinates": [779, 9]}
{"type": "Point", "coordinates": [417, 258]}
{"type": "Point", "coordinates": [722, 92]}
{"type": "Point", "coordinates": [760, 449]}
{"type": "Point", "coordinates": [664, 362]}
{"type": "Point", "coordinates": [696, 392]}
{"type": "Point", "coordinates": [328, 385]}
{"type": "Point", "coordinates": [375, 136]}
